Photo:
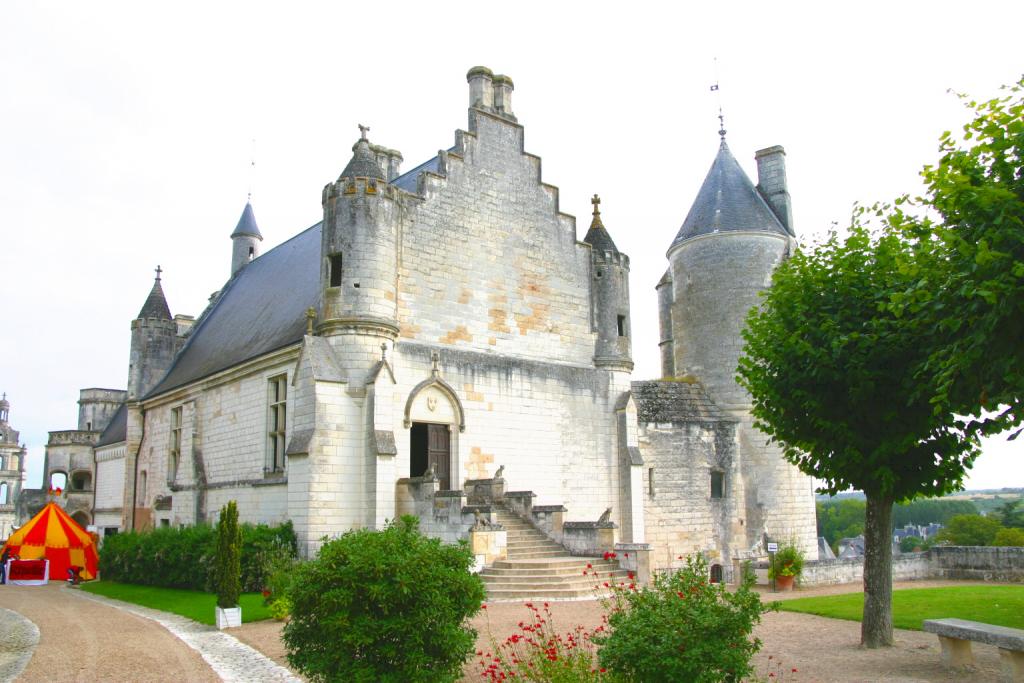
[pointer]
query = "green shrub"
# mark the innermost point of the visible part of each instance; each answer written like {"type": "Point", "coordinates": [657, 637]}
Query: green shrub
{"type": "Point", "coordinates": [386, 605]}
{"type": "Point", "coordinates": [183, 558]}
{"type": "Point", "coordinates": [227, 575]}
{"type": "Point", "coordinates": [683, 629]}
{"type": "Point", "coordinates": [969, 530]}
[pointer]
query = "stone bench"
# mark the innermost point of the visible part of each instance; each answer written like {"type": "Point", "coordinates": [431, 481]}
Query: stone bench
{"type": "Point", "coordinates": [955, 636]}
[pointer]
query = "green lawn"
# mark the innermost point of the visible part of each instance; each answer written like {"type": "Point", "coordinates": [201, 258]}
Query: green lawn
{"type": "Point", "coordinates": [191, 604]}
{"type": "Point", "coordinates": [1000, 605]}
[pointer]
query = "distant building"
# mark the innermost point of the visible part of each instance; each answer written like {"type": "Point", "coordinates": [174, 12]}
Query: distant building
{"type": "Point", "coordinates": [12, 471]}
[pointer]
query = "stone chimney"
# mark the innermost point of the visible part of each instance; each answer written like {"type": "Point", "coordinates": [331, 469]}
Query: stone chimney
{"type": "Point", "coordinates": [481, 93]}
{"type": "Point", "coordinates": [503, 96]}
{"type": "Point", "coordinates": [771, 182]}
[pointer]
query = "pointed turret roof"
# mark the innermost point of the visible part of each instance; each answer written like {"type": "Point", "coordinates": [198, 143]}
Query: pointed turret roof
{"type": "Point", "coordinates": [247, 224]}
{"type": "Point", "coordinates": [363, 163]}
{"type": "Point", "coordinates": [598, 236]}
{"type": "Point", "coordinates": [156, 304]}
{"type": "Point", "coordinates": [728, 201]}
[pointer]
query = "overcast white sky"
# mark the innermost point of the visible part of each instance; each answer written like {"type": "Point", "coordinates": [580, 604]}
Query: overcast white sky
{"type": "Point", "coordinates": [126, 128]}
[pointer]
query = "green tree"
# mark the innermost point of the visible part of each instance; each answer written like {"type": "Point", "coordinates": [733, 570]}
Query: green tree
{"type": "Point", "coordinates": [970, 284]}
{"type": "Point", "coordinates": [387, 605]}
{"type": "Point", "coordinates": [840, 519]}
{"type": "Point", "coordinates": [930, 511]}
{"type": "Point", "coordinates": [227, 577]}
{"type": "Point", "coordinates": [969, 530]}
{"type": "Point", "coordinates": [835, 374]}
{"type": "Point", "coordinates": [1009, 537]}
{"type": "Point", "coordinates": [1010, 514]}
{"type": "Point", "coordinates": [909, 544]}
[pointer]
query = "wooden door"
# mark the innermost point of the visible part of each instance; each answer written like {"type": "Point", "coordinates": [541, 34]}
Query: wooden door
{"type": "Point", "coordinates": [439, 454]}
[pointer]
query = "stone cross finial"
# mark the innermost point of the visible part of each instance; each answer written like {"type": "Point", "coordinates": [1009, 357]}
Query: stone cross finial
{"type": "Point", "coordinates": [596, 201]}
{"type": "Point", "coordinates": [363, 130]}
{"type": "Point", "coordinates": [310, 317]}
{"type": "Point", "coordinates": [435, 359]}
{"type": "Point", "coordinates": [158, 271]}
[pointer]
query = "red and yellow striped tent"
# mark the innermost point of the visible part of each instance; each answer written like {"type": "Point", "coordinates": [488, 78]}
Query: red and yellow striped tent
{"type": "Point", "coordinates": [53, 535]}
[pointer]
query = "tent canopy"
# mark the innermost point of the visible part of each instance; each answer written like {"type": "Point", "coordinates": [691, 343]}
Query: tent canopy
{"type": "Point", "coordinates": [53, 535]}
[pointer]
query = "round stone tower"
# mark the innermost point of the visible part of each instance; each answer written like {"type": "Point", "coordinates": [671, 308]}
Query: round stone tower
{"type": "Point", "coordinates": [610, 271]}
{"type": "Point", "coordinates": [359, 252]}
{"type": "Point", "coordinates": [723, 256]}
{"type": "Point", "coordinates": [154, 343]}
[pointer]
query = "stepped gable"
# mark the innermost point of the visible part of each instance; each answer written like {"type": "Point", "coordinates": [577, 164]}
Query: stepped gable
{"type": "Point", "coordinates": [728, 201]}
{"type": "Point", "coordinates": [668, 401]}
{"type": "Point", "coordinates": [117, 429]}
{"type": "Point", "coordinates": [261, 309]}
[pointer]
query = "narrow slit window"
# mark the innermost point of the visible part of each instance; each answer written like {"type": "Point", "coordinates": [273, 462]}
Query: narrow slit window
{"type": "Point", "coordinates": [335, 266]}
{"type": "Point", "coordinates": [717, 484]}
{"type": "Point", "coordinates": [650, 482]}
{"type": "Point", "coordinates": [252, 253]}
{"type": "Point", "coordinates": [622, 325]}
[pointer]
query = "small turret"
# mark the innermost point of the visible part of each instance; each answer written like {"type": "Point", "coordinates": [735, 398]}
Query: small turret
{"type": "Point", "coordinates": [245, 240]}
{"type": "Point", "coordinates": [359, 276]}
{"type": "Point", "coordinates": [610, 292]}
{"type": "Point", "coordinates": [154, 342]}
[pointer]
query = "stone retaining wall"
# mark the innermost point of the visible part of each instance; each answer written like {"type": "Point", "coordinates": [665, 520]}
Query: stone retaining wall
{"type": "Point", "coordinates": [949, 562]}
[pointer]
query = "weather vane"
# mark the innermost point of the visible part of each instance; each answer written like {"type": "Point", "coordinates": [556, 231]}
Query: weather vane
{"type": "Point", "coordinates": [715, 89]}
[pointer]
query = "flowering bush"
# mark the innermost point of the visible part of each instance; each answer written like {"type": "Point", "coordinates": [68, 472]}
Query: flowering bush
{"type": "Point", "coordinates": [788, 561]}
{"type": "Point", "coordinates": [387, 605]}
{"type": "Point", "coordinates": [537, 652]}
{"type": "Point", "coordinates": [683, 629]}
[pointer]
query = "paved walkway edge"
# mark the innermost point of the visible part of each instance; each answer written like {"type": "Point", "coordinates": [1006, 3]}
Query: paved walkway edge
{"type": "Point", "coordinates": [18, 640]}
{"type": "Point", "coordinates": [229, 658]}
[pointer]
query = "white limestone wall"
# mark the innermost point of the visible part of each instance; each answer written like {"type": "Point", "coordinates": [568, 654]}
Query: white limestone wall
{"type": "Point", "coordinates": [224, 428]}
{"type": "Point", "coordinates": [109, 485]}
{"type": "Point", "coordinates": [552, 426]}
{"type": "Point", "coordinates": [488, 263]}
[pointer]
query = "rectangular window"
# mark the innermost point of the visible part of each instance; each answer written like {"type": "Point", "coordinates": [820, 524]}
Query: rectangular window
{"type": "Point", "coordinates": [335, 266]}
{"type": "Point", "coordinates": [650, 482]}
{"type": "Point", "coordinates": [717, 484]}
{"type": "Point", "coordinates": [622, 325]}
{"type": "Point", "coordinates": [277, 402]}
{"type": "Point", "coordinates": [175, 455]}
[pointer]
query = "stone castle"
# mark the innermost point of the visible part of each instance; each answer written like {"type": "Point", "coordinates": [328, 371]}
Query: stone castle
{"type": "Point", "coordinates": [443, 344]}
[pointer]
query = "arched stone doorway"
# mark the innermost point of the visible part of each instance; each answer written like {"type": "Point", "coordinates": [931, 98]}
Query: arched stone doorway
{"type": "Point", "coordinates": [434, 417]}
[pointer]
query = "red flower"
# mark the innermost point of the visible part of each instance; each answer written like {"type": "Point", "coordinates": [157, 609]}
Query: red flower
{"type": "Point", "coordinates": [483, 606]}
{"type": "Point", "coordinates": [266, 593]}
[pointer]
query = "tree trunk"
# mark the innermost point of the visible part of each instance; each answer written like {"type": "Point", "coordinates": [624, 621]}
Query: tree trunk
{"type": "Point", "coordinates": [876, 624]}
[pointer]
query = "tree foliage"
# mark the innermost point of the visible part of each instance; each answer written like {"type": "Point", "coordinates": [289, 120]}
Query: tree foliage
{"type": "Point", "coordinates": [1009, 537]}
{"type": "Point", "coordinates": [969, 268]}
{"type": "Point", "coordinates": [930, 511]}
{"type": "Point", "coordinates": [969, 530]}
{"type": "Point", "coordinates": [387, 605]}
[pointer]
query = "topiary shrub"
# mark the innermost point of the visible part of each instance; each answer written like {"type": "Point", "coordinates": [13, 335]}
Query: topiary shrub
{"type": "Point", "coordinates": [387, 605]}
{"type": "Point", "coordinates": [684, 628]}
{"type": "Point", "coordinates": [227, 577]}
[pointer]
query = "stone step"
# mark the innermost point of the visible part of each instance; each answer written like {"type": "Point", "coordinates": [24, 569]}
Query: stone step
{"type": "Point", "coordinates": [500, 595]}
{"type": "Point", "coordinates": [554, 571]}
{"type": "Point", "coordinates": [534, 554]}
{"type": "Point", "coordinates": [532, 543]}
{"type": "Point", "coordinates": [553, 580]}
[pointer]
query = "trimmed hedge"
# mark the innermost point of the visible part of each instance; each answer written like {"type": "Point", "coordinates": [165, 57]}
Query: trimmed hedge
{"type": "Point", "coordinates": [184, 558]}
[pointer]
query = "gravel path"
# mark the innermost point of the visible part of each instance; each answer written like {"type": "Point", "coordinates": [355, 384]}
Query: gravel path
{"type": "Point", "coordinates": [83, 637]}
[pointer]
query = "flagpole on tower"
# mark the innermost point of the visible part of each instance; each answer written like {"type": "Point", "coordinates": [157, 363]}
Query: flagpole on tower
{"type": "Point", "coordinates": [718, 94]}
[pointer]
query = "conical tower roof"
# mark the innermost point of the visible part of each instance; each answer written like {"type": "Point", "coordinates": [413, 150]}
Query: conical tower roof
{"type": "Point", "coordinates": [156, 304]}
{"type": "Point", "coordinates": [247, 224]}
{"type": "Point", "coordinates": [728, 201]}
{"type": "Point", "coordinates": [598, 236]}
{"type": "Point", "coordinates": [363, 163]}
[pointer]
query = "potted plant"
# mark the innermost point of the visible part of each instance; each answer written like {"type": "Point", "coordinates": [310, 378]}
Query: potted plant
{"type": "Point", "coordinates": [786, 566]}
{"type": "Point", "coordinates": [227, 578]}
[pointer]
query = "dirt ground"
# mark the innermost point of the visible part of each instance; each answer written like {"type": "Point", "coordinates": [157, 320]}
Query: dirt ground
{"type": "Point", "coordinates": [82, 640]}
{"type": "Point", "coordinates": [819, 649]}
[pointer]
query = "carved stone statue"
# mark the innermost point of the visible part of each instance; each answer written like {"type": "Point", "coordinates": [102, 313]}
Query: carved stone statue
{"type": "Point", "coordinates": [501, 470]}
{"type": "Point", "coordinates": [606, 516]}
{"type": "Point", "coordinates": [431, 473]}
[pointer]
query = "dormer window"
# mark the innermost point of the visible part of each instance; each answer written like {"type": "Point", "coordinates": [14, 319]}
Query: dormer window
{"type": "Point", "coordinates": [335, 270]}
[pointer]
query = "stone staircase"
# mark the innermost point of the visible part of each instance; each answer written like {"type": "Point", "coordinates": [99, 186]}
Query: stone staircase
{"type": "Point", "coordinates": [537, 568]}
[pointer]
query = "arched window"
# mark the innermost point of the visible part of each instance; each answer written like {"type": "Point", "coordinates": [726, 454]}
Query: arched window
{"type": "Point", "coordinates": [58, 480]}
{"type": "Point", "coordinates": [716, 573]}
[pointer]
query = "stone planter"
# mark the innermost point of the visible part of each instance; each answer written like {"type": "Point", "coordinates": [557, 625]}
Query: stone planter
{"type": "Point", "coordinates": [228, 617]}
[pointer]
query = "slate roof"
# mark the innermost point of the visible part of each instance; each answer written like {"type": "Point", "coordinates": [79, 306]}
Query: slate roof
{"type": "Point", "coordinates": [156, 303]}
{"type": "Point", "coordinates": [117, 430]}
{"type": "Point", "coordinates": [728, 201]}
{"type": "Point", "coordinates": [261, 309]}
{"type": "Point", "coordinates": [598, 236]}
{"type": "Point", "coordinates": [247, 224]}
{"type": "Point", "coordinates": [666, 401]}
{"type": "Point", "coordinates": [363, 163]}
